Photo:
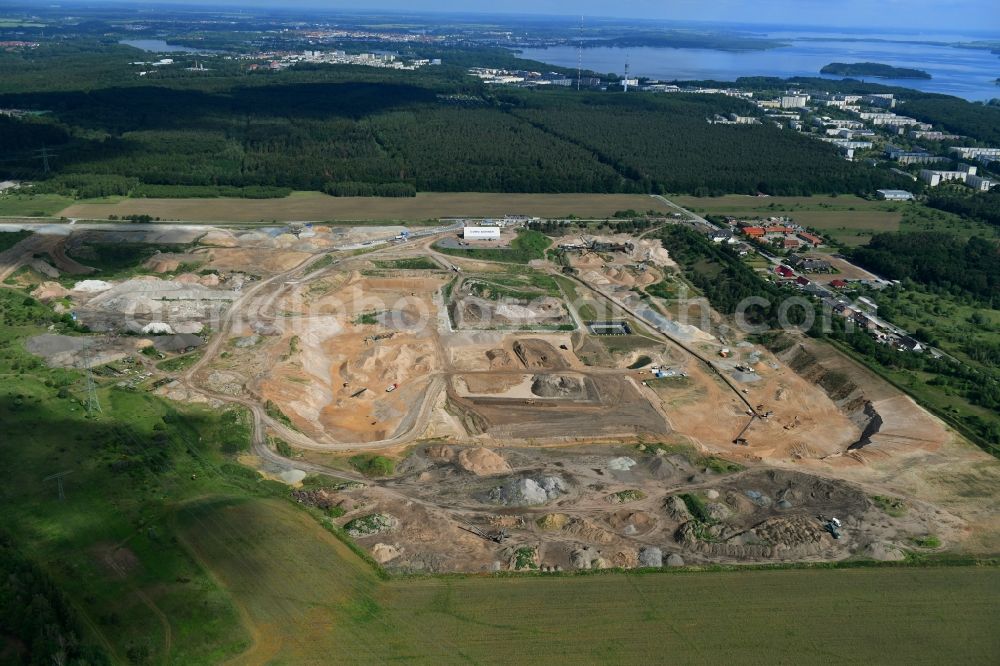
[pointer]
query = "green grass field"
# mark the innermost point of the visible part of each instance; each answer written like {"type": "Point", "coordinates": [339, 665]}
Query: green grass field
{"type": "Point", "coordinates": [38, 205]}
{"type": "Point", "coordinates": [310, 598]}
{"type": "Point", "coordinates": [414, 263]}
{"type": "Point", "coordinates": [746, 204]}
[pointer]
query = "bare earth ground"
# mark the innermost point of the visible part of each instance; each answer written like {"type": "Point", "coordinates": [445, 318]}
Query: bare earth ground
{"type": "Point", "coordinates": [316, 206]}
{"type": "Point", "coordinates": [582, 465]}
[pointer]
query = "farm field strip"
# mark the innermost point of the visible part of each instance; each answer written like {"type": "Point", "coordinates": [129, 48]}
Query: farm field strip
{"type": "Point", "coordinates": [320, 207]}
{"type": "Point", "coordinates": [310, 598]}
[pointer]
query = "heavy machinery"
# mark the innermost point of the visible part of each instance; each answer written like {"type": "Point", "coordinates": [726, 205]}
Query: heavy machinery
{"type": "Point", "coordinates": [832, 525]}
{"type": "Point", "coordinates": [498, 536]}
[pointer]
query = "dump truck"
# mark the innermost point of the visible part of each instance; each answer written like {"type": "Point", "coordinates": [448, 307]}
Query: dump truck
{"type": "Point", "coordinates": [391, 387]}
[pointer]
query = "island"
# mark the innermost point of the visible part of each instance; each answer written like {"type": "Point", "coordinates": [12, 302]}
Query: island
{"type": "Point", "coordinates": [875, 69]}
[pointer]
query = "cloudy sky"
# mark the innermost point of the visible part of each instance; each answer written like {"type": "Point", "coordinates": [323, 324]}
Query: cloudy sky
{"type": "Point", "coordinates": [922, 15]}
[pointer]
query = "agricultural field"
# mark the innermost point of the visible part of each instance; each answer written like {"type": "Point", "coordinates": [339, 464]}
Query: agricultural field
{"type": "Point", "coordinates": [311, 598]}
{"type": "Point", "coordinates": [745, 204]}
{"type": "Point", "coordinates": [316, 206]}
{"type": "Point", "coordinates": [847, 219]}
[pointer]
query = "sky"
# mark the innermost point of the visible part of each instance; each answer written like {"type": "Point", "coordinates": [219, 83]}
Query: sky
{"type": "Point", "coordinates": [920, 15]}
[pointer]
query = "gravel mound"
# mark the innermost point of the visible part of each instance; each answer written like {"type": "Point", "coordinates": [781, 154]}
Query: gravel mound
{"type": "Point", "coordinates": [482, 462]}
{"type": "Point", "coordinates": [586, 558]}
{"type": "Point", "coordinates": [369, 525]}
{"type": "Point", "coordinates": [650, 556]}
{"type": "Point", "coordinates": [177, 343]}
{"type": "Point", "coordinates": [677, 509]}
{"type": "Point", "coordinates": [556, 386]}
{"type": "Point", "coordinates": [92, 286]}
{"type": "Point", "coordinates": [157, 328]}
{"type": "Point", "coordinates": [621, 464]}
{"type": "Point", "coordinates": [675, 560]}
{"type": "Point", "coordinates": [529, 491]}
{"type": "Point", "coordinates": [758, 498]}
{"type": "Point", "coordinates": [248, 341]}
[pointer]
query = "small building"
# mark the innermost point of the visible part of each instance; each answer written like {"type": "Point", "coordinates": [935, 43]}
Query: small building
{"type": "Point", "coordinates": [754, 232]}
{"type": "Point", "coordinates": [894, 195]}
{"type": "Point", "coordinates": [784, 271]}
{"type": "Point", "coordinates": [481, 233]}
{"type": "Point", "coordinates": [809, 265]}
{"type": "Point", "coordinates": [812, 239]}
{"type": "Point", "coordinates": [838, 283]}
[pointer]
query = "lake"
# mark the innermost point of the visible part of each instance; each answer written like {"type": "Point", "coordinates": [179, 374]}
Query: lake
{"type": "Point", "coordinates": [967, 73]}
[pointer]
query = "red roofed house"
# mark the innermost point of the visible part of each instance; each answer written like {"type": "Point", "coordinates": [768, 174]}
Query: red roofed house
{"type": "Point", "coordinates": [811, 239]}
{"type": "Point", "coordinates": [784, 271]}
{"type": "Point", "coordinates": [754, 232]}
{"type": "Point", "coordinates": [779, 230]}
{"type": "Point", "coordinates": [801, 281]}
{"type": "Point", "coordinates": [838, 284]}
{"type": "Point", "coordinates": [790, 243]}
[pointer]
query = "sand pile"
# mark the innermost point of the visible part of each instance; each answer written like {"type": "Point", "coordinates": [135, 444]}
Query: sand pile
{"type": "Point", "coordinates": [48, 291]}
{"type": "Point", "coordinates": [383, 552]}
{"type": "Point", "coordinates": [553, 521]}
{"type": "Point", "coordinates": [482, 462]}
{"type": "Point", "coordinates": [883, 552]}
{"type": "Point", "coordinates": [500, 359]}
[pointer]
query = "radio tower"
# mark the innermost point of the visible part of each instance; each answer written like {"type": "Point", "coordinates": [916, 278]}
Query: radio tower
{"type": "Point", "coordinates": [625, 81]}
{"type": "Point", "coordinates": [579, 57]}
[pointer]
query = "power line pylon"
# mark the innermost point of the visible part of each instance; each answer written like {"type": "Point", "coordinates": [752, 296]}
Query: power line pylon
{"type": "Point", "coordinates": [93, 402]}
{"type": "Point", "coordinates": [58, 478]}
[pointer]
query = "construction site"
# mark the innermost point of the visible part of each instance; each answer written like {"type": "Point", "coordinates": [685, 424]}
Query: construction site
{"type": "Point", "coordinates": [552, 415]}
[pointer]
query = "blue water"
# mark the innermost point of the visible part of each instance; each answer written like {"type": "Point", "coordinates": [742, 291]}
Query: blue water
{"type": "Point", "coordinates": [160, 46]}
{"type": "Point", "coordinates": [967, 73]}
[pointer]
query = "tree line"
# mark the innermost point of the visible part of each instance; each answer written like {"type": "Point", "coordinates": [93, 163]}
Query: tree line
{"type": "Point", "coordinates": [937, 259]}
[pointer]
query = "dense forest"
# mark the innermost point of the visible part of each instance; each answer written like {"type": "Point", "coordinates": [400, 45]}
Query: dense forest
{"type": "Point", "coordinates": [980, 121]}
{"type": "Point", "coordinates": [665, 144]}
{"type": "Point", "coordinates": [938, 260]}
{"type": "Point", "coordinates": [38, 624]}
{"type": "Point", "coordinates": [362, 131]}
{"type": "Point", "coordinates": [982, 206]}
